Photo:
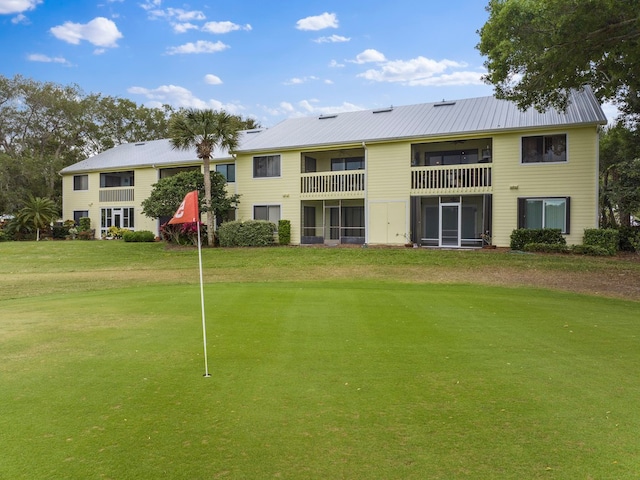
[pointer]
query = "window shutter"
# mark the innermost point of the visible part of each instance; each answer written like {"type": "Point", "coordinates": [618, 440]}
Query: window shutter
{"type": "Point", "coordinates": [568, 215]}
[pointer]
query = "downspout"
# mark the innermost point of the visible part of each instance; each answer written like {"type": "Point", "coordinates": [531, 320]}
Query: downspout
{"type": "Point", "coordinates": [366, 190]}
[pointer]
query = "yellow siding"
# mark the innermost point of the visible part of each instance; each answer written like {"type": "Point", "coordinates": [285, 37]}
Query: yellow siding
{"type": "Point", "coordinates": [577, 178]}
{"type": "Point", "coordinates": [283, 190]}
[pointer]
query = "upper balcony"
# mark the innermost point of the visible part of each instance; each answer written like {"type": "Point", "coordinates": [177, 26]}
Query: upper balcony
{"type": "Point", "coordinates": [445, 180]}
{"type": "Point", "coordinates": [345, 184]}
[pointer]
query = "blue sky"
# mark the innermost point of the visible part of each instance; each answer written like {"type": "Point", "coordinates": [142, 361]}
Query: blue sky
{"type": "Point", "coordinates": [269, 60]}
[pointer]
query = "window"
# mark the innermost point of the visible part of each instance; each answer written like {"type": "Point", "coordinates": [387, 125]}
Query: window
{"type": "Point", "coordinates": [78, 214]}
{"type": "Point", "coordinates": [353, 221]}
{"type": "Point", "coordinates": [118, 217]}
{"type": "Point", "coordinates": [544, 213]}
{"type": "Point", "coordinates": [271, 213]}
{"type": "Point", "coordinates": [116, 179]}
{"type": "Point", "coordinates": [266, 166]}
{"type": "Point", "coordinates": [544, 148]}
{"type": "Point", "coordinates": [352, 163]}
{"type": "Point", "coordinates": [228, 170]}
{"type": "Point", "coordinates": [170, 172]}
{"type": "Point", "coordinates": [81, 182]}
{"type": "Point", "coordinates": [451, 157]}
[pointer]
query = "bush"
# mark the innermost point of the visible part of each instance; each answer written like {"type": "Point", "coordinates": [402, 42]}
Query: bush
{"type": "Point", "coordinates": [284, 232]}
{"type": "Point", "coordinates": [87, 234]}
{"type": "Point", "coordinates": [84, 224]}
{"type": "Point", "coordinates": [606, 239]}
{"type": "Point", "coordinates": [524, 236]}
{"type": "Point", "coordinates": [592, 250]}
{"type": "Point", "coordinates": [252, 233]}
{"type": "Point", "coordinates": [138, 236]}
{"type": "Point", "coordinates": [629, 239]}
{"type": "Point", "coordinates": [182, 233]}
{"type": "Point", "coordinates": [546, 248]}
{"type": "Point", "coordinates": [60, 232]}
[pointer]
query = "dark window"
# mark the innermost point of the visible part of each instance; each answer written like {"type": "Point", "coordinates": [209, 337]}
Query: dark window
{"type": "Point", "coordinates": [116, 179]}
{"type": "Point", "coordinates": [451, 157]}
{"type": "Point", "coordinates": [228, 170]}
{"type": "Point", "coordinates": [78, 214]}
{"type": "Point", "coordinates": [270, 213]}
{"type": "Point", "coordinates": [266, 166]}
{"type": "Point", "coordinates": [353, 221]}
{"type": "Point", "coordinates": [170, 172]}
{"type": "Point", "coordinates": [538, 213]}
{"type": "Point", "coordinates": [544, 148]}
{"type": "Point", "coordinates": [351, 163]}
{"type": "Point", "coordinates": [81, 182]}
{"type": "Point", "coordinates": [309, 164]}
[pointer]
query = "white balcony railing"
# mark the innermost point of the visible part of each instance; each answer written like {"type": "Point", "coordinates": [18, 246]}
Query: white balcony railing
{"type": "Point", "coordinates": [452, 179]}
{"type": "Point", "coordinates": [116, 194]}
{"type": "Point", "coordinates": [327, 183]}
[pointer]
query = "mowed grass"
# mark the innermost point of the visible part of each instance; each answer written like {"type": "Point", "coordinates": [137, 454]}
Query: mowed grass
{"type": "Point", "coordinates": [366, 376]}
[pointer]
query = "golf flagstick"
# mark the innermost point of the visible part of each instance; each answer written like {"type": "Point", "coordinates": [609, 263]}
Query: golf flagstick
{"type": "Point", "coordinates": [188, 212]}
{"type": "Point", "coordinates": [204, 323]}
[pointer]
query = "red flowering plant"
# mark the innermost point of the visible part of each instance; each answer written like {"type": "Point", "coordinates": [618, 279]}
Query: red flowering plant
{"type": "Point", "coordinates": [181, 233]}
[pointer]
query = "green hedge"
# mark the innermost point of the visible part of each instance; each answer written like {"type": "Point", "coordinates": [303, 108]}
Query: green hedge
{"type": "Point", "coordinates": [284, 232]}
{"type": "Point", "coordinates": [524, 236]}
{"type": "Point", "coordinates": [138, 236]}
{"type": "Point", "coordinates": [606, 239]}
{"type": "Point", "coordinates": [546, 248]}
{"type": "Point", "coordinates": [252, 233]}
{"type": "Point", "coordinates": [592, 250]}
{"type": "Point", "coordinates": [629, 239]}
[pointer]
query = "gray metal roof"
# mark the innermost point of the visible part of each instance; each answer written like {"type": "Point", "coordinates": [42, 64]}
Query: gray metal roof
{"type": "Point", "coordinates": [140, 154]}
{"type": "Point", "coordinates": [469, 116]}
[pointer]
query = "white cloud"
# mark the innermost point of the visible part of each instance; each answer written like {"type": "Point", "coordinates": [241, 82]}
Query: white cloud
{"type": "Point", "coordinates": [17, 6]}
{"type": "Point", "coordinates": [368, 56]}
{"type": "Point", "coordinates": [20, 19]}
{"type": "Point", "coordinates": [185, 15]}
{"type": "Point", "coordinates": [318, 22]}
{"type": "Point", "coordinates": [178, 97]}
{"type": "Point", "coordinates": [332, 39]}
{"type": "Point", "coordinates": [224, 27]}
{"type": "Point", "coordinates": [212, 79]}
{"type": "Point", "coordinates": [201, 46]}
{"type": "Point", "coordinates": [300, 80]}
{"type": "Point", "coordinates": [420, 71]}
{"type": "Point", "coordinates": [308, 107]}
{"type": "Point", "coordinates": [100, 31]}
{"type": "Point", "coordinates": [38, 57]}
{"type": "Point", "coordinates": [184, 27]}
{"type": "Point", "coordinates": [334, 64]}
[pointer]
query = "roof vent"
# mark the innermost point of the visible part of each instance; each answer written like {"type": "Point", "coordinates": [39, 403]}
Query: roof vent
{"type": "Point", "coordinates": [323, 117]}
{"type": "Point", "coordinates": [257, 130]}
{"type": "Point", "coordinates": [443, 103]}
{"type": "Point", "coordinates": [382, 110]}
{"type": "Point", "coordinates": [139, 144]}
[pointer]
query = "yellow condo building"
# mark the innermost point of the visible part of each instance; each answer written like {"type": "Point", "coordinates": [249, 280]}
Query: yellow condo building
{"type": "Point", "coordinates": [454, 174]}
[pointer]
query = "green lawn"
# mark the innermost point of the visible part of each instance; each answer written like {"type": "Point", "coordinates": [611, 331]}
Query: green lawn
{"type": "Point", "coordinates": [350, 372]}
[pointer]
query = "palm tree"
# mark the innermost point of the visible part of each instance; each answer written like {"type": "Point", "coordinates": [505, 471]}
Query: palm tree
{"type": "Point", "coordinates": [204, 130]}
{"type": "Point", "coordinates": [38, 212]}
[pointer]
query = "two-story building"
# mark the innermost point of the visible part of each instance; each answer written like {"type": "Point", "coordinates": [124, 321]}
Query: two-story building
{"type": "Point", "coordinates": [444, 174]}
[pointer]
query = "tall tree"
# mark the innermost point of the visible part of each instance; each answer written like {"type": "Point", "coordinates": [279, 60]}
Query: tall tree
{"type": "Point", "coordinates": [38, 213]}
{"type": "Point", "coordinates": [619, 175]}
{"type": "Point", "coordinates": [205, 130]}
{"type": "Point", "coordinates": [538, 50]}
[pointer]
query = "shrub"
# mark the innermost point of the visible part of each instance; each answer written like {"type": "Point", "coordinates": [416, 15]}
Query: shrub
{"type": "Point", "coordinates": [546, 248]}
{"type": "Point", "coordinates": [84, 224]}
{"type": "Point", "coordinates": [629, 239]}
{"type": "Point", "coordinates": [252, 233]}
{"type": "Point", "coordinates": [87, 234]}
{"type": "Point", "coordinates": [592, 250]}
{"type": "Point", "coordinates": [60, 232]}
{"type": "Point", "coordinates": [284, 232]}
{"type": "Point", "coordinates": [606, 239]}
{"type": "Point", "coordinates": [523, 236]}
{"type": "Point", "coordinates": [182, 233]}
{"type": "Point", "coordinates": [138, 236]}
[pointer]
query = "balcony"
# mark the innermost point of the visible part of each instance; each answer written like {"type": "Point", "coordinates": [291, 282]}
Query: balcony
{"type": "Point", "coordinates": [458, 179]}
{"type": "Point", "coordinates": [342, 184]}
{"type": "Point", "coordinates": [116, 194]}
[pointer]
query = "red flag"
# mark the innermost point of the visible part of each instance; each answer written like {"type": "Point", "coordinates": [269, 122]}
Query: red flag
{"type": "Point", "coordinates": [188, 210]}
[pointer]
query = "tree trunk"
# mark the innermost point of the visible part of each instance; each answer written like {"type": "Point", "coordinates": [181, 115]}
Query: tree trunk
{"type": "Point", "coordinates": [207, 199]}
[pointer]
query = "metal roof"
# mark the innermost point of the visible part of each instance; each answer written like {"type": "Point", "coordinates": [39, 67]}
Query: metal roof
{"type": "Point", "coordinates": [141, 154]}
{"type": "Point", "coordinates": [459, 117]}
{"type": "Point", "coordinates": [469, 116]}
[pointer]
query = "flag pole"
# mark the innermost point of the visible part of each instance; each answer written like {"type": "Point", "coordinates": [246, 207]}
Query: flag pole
{"type": "Point", "coordinates": [204, 325]}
